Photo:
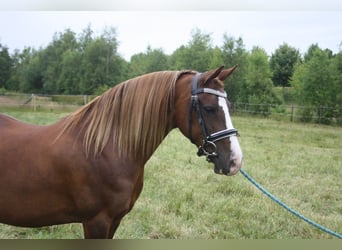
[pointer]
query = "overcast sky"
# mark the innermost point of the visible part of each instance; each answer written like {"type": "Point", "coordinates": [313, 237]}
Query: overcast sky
{"type": "Point", "coordinates": [170, 29]}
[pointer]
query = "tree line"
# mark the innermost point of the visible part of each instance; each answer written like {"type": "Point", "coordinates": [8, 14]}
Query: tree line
{"type": "Point", "coordinates": [89, 63]}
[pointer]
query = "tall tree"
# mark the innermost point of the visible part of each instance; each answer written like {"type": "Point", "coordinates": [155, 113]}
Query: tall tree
{"type": "Point", "coordinates": [70, 75]}
{"type": "Point", "coordinates": [52, 57]}
{"type": "Point", "coordinates": [195, 55]}
{"type": "Point", "coordinates": [318, 83]}
{"type": "Point", "coordinates": [13, 81]}
{"type": "Point", "coordinates": [338, 92]}
{"type": "Point", "coordinates": [149, 61]}
{"type": "Point", "coordinates": [101, 64]}
{"type": "Point", "coordinates": [5, 66]}
{"type": "Point", "coordinates": [311, 51]}
{"type": "Point", "coordinates": [19, 80]}
{"type": "Point", "coordinates": [178, 59]}
{"type": "Point", "coordinates": [86, 37]}
{"type": "Point", "coordinates": [234, 53]}
{"type": "Point", "coordinates": [282, 64]}
{"type": "Point", "coordinates": [32, 79]}
{"type": "Point", "coordinates": [216, 58]}
{"type": "Point", "coordinates": [70, 65]}
{"type": "Point", "coordinates": [259, 87]}
{"type": "Point", "coordinates": [94, 66]}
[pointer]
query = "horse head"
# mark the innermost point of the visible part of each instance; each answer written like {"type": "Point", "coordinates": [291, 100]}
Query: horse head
{"type": "Point", "coordinates": [207, 122]}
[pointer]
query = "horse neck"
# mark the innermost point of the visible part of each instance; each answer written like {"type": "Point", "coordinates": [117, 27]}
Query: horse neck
{"type": "Point", "coordinates": [132, 118]}
{"type": "Point", "coordinates": [182, 102]}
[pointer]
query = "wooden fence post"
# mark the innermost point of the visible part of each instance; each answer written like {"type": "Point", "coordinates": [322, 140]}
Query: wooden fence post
{"type": "Point", "coordinates": [34, 103]}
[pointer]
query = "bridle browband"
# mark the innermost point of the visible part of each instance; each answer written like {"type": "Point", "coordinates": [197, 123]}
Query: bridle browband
{"type": "Point", "coordinates": [208, 148]}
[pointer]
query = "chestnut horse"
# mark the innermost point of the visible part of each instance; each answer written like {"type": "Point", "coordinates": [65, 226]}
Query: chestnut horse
{"type": "Point", "coordinates": [88, 167]}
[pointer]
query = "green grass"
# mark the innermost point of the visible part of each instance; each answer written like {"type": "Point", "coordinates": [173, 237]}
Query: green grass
{"type": "Point", "coordinates": [39, 118]}
{"type": "Point", "coordinates": [183, 199]}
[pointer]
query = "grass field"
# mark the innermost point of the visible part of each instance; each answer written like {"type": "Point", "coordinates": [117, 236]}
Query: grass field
{"type": "Point", "coordinates": [183, 199]}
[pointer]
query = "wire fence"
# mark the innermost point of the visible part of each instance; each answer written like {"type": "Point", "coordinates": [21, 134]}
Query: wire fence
{"type": "Point", "coordinates": [34, 102]}
{"type": "Point", "coordinates": [294, 113]}
{"type": "Point", "coordinates": [69, 103]}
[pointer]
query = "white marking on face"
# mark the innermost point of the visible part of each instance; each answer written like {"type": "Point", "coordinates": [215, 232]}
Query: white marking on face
{"type": "Point", "coordinates": [234, 143]}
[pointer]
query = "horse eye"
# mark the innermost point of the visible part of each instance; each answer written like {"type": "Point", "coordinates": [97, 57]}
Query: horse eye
{"type": "Point", "coordinates": [210, 110]}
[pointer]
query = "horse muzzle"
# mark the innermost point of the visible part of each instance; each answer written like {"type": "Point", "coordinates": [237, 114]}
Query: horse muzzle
{"type": "Point", "coordinates": [224, 164]}
{"type": "Point", "coordinates": [229, 168]}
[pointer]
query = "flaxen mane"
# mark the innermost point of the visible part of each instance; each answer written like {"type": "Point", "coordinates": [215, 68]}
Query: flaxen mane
{"type": "Point", "coordinates": [134, 114]}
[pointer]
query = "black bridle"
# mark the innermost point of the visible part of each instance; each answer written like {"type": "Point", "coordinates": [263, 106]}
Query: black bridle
{"type": "Point", "coordinates": [208, 148]}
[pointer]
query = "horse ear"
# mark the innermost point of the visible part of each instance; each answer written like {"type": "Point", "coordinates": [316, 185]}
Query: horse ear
{"type": "Point", "coordinates": [210, 75]}
{"type": "Point", "coordinates": [225, 73]}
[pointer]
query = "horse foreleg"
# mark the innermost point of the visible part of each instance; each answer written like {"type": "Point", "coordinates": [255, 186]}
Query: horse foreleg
{"type": "Point", "coordinates": [104, 226]}
{"type": "Point", "coordinates": [100, 227]}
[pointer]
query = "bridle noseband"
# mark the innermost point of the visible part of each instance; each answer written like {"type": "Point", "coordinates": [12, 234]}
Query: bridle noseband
{"type": "Point", "coordinates": [208, 148]}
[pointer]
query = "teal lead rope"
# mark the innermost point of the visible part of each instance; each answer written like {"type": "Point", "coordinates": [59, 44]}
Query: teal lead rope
{"type": "Point", "coordinates": [279, 202]}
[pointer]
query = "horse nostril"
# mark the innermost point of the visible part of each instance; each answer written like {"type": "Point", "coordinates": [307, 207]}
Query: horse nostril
{"type": "Point", "coordinates": [232, 163]}
{"type": "Point", "coordinates": [231, 158]}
